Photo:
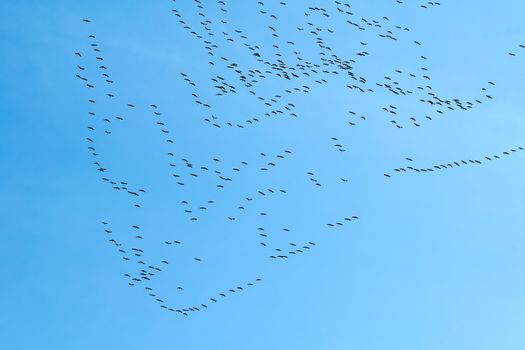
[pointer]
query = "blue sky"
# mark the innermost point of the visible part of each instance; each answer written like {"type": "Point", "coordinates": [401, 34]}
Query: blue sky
{"type": "Point", "coordinates": [433, 262]}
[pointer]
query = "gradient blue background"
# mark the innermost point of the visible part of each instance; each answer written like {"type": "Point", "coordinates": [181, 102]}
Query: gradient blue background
{"type": "Point", "coordinates": [435, 263]}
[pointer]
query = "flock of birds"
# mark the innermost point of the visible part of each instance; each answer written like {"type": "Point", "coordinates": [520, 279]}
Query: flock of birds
{"type": "Point", "coordinates": [268, 73]}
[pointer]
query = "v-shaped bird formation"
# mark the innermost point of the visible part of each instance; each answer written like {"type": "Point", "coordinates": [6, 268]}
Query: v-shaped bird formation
{"type": "Point", "coordinates": [224, 186]}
